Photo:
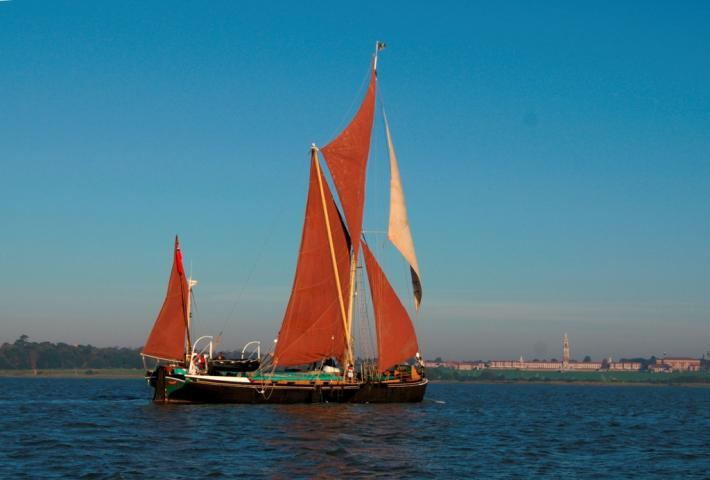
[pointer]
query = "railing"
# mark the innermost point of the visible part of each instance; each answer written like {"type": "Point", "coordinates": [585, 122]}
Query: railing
{"type": "Point", "coordinates": [258, 349]}
{"type": "Point", "coordinates": [198, 360]}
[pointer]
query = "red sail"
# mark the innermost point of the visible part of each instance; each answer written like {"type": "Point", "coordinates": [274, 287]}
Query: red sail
{"type": "Point", "coordinates": [347, 160]}
{"type": "Point", "coordinates": [167, 339]}
{"type": "Point", "coordinates": [396, 339]}
{"type": "Point", "coordinates": [312, 327]}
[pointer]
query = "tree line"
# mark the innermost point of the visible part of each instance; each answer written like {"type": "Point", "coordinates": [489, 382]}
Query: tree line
{"type": "Point", "coordinates": [24, 354]}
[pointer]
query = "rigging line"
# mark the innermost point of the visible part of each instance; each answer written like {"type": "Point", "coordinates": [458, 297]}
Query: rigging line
{"type": "Point", "coordinates": [380, 98]}
{"type": "Point", "coordinates": [370, 319]}
{"type": "Point", "coordinates": [269, 234]}
{"type": "Point", "coordinates": [194, 313]}
{"type": "Point", "coordinates": [271, 387]}
{"type": "Point", "coordinates": [386, 186]}
{"type": "Point", "coordinates": [349, 112]}
{"type": "Point", "coordinates": [182, 294]}
{"type": "Point", "coordinates": [365, 330]}
{"type": "Point", "coordinates": [377, 174]}
{"type": "Point", "coordinates": [374, 179]}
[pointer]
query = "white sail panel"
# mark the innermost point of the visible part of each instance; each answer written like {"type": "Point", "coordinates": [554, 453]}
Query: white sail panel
{"type": "Point", "coordinates": [398, 230]}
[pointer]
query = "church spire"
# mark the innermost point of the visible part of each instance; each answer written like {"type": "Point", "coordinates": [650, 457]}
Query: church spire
{"type": "Point", "coordinates": [565, 351]}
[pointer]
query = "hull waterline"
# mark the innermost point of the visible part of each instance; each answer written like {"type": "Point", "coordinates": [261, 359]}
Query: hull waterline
{"type": "Point", "coordinates": [174, 389]}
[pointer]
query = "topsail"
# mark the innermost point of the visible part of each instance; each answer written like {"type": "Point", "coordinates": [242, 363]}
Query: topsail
{"type": "Point", "coordinates": [346, 157]}
{"type": "Point", "coordinates": [398, 230]}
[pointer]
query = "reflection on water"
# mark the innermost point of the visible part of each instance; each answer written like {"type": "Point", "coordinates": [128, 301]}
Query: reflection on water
{"type": "Point", "coordinates": [339, 439]}
{"type": "Point", "coordinates": [110, 429]}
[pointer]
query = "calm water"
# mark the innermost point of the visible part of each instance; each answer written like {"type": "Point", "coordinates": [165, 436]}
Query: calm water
{"type": "Point", "coordinates": [88, 428]}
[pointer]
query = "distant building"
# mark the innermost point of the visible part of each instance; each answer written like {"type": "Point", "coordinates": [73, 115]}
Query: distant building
{"type": "Point", "coordinates": [659, 368]}
{"type": "Point", "coordinates": [625, 366]}
{"type": "Point", "coordinates": [435, 364]}
{"type": "Point", "coordinates": [676, 364]}
{"type": "Point", "coordinates": [584, 366]}
{"type": "Point", "coordinates": [471, 366]}
{"type": "Point", "coordinates": [467, 366]}
{"type": "Point", "coordinates": [668, 364]}
{"type": "Point", "coordinates": [566, 364]}
{"type": "Point", "coordinates": [509, 364]}
{"type": "Point", "coordinates": [565, 351]}
{"type": "Point", "coordinates": [523, 365]}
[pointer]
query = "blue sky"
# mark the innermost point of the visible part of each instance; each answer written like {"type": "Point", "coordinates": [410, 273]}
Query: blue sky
{"type": "Point", "coordinates": [555, 156]}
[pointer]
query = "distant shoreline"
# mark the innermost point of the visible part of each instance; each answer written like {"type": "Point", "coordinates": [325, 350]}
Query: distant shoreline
{"type": "Point", "coordinates": [570, 377]}
{"type": "Point", "coordinates": [136, 373]}
{"type": "Point", "coordinates": [584, 383]}
{"type": "Point", "coordinates": [75, 373]}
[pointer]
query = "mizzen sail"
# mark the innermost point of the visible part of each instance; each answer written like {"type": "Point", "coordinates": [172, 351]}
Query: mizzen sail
{"type": "Point", "coordinates": [398, 230]}
{"type": "Point", "coordinates": [396, 338]}
{"type": "Point", "coordinates": [167, 339]}
{"type": "Point", "coordinates": [313, 325]}
{"type": "Point", "coordinates": [346, 157]}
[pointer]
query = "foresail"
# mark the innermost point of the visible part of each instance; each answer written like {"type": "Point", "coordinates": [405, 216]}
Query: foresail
{"type": "Point", "coordinates": [398, 230]}
{"type": "Point", "coordinates": [346, 157]}
{"type": "Point", "coordinates": [313, 325]}
{"type": "Point", "coordinates": [396, 338]}
{"type": "Point", "coordinates": [167, 339]}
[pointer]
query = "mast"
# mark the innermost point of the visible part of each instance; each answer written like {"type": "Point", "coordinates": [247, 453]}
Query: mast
{"type": "Point", "coordinates": [356, 241]}
{"type": "Point", "coordinates": [349, 318]}
{"type": "Point", "coordinates": [190, 283]}
{"type": "Point", "coordinates": [348, 335]}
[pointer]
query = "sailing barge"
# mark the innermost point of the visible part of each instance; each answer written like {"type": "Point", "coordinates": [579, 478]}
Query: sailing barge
{"type": "Point", "coordinates": [314, 356]}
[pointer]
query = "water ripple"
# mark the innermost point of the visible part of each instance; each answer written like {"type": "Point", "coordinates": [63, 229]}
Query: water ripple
{"type": "Point", "coordinates": [106, 429]}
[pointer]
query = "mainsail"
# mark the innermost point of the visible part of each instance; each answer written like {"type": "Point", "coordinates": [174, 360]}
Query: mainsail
{"type": "Point", "coordinates": [346, 157]}
{"type": "Point", "coordinates": [396, 339]}
{"type": "Point", "coordinates": [313, 327]}
{"type": "Point", "coordinates": [398, 231]}
{"type": "Point", "coordinates": [167, 339]}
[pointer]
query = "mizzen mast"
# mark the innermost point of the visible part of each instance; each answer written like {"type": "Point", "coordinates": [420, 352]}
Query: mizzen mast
{"type": "Point", "coordinates": [188, 350]}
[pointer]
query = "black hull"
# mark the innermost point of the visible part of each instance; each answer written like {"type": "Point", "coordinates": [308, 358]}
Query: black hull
{"type": "Point", "coordinates": [208, 391]}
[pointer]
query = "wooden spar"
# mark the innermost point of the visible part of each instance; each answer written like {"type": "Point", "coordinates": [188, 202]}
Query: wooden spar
{"type": "Point", "coordinates": [186, 312]}
{"type": "Point", "coordinates": [348, 353]}
{"type": "Point", "coordinates": [378, 46]}
{"type": "Point", "coordinates": [190, 283]}
{"type": "Point", "coordinates": [188, 345]}
{"type": "Point", "coordinates": [349, 325]}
